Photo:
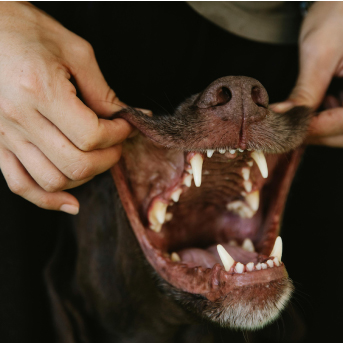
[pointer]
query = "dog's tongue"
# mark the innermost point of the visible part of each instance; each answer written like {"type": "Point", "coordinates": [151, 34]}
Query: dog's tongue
{"type": "Point", "coordinates": [194, 257]}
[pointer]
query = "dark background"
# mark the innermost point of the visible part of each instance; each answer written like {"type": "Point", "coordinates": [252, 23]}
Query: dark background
{"type": "Point", "coordinates": [154, 55]}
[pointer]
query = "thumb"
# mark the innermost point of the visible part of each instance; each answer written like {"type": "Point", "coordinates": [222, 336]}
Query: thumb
{"type": "Point", "coordinates": [94, 89]}
{"type": "Point", "coordinates": [316, 72]}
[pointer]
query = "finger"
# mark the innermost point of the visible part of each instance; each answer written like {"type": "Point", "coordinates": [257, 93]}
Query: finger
{"type": "Point", "coordinates": [72, 162]}
{"type": "Point", "coordinates": [327, 123]}
{"type": "Point", "coordinates": [94, 89]}
{"type": "Point", "coordinates": [42, 170]}
{"type": "Point", "coordinates": [21, 183]}
{"type": "Point", "coordinates": [331, 141]}
{"type": "Point", "coordinates": [79, 123]}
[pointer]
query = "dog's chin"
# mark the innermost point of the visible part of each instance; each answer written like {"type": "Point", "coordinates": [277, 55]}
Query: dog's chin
{"type": "Point", "coordinates": [241, 284]}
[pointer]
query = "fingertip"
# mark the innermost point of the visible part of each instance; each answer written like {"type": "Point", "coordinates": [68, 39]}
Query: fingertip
{"type": "Point", "coordinates": [70, 209]}
{"type": "Point", "coordinates": [281, 107]}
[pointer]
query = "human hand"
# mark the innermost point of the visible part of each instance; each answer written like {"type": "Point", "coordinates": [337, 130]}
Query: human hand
{"type": "Point", "coordinates": [49, 139]}
{"type": "Point", "coordinates": [321, 59]}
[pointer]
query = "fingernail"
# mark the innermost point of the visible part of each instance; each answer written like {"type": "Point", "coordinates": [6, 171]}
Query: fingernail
{"type": "Point", "coordinates": [71, 209]}
{"type": "Point", "coordinates": [147, 112]}
{"type": "Point", "coordinates": [282, 106]}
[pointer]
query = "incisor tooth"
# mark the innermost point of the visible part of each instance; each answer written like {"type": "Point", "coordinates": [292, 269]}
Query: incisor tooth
{"type": "Point", "coordinates": [277, 249]}
{"type": "Point", "coordinates": [276, 261]}
{"type": "Point", "coordinates": [250, 266]}
{"type": "Point", "coordinates": [239, 268]}
{"type": "Point", "coordinates": [246, 173]}
{"type": "Point", "coordinates": [261, 162]}
{"type": "Point", "coordinates": [225, 257]}
{"type": "Point", "coordinates": [196, 163]}
{"type": "Point", "coordinates": [253, 200]}
{"type": "Point", "coordinates": [240, 150]}
{"type": "Point", "coordinates": [270, 263]}
{"type": "Point", "coordinates": [258, 266]}
{"type": "Point", "coordinates": [264, 266]}
{"type": "Point", "coordinates": [222, 151]}
{"type": "Point", "coordinates": [175, 196]}
{"type": "Point", "coordinates": [232, 151]}
{"type": "Point", "coordinates": [187, 180]}
{"type": "Point", "coordinates": [210, 153]}
{"type": "Point", "coordinates": [175, 257]}
{"type": "Point", "coordinates": [248, 245]}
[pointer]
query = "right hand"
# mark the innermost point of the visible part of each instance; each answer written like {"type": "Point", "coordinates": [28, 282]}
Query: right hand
{"type": "Point", "coordinates": [49, 139]}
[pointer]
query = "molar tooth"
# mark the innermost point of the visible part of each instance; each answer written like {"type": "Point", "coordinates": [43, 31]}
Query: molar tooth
{"type": "Point", "coordinates": [225, 257]}
{"type": "Point", "coordinates": [175, 257]}
{"type": "Point", "coordinates": [261, 162]}
{"type": "Point", "coordinates": [187, 180]}
{"type": "Point", "coordinates": [196, 163]}
{"type": "Point", "coordinates": [253, 200]}
{"type": "Point", "coordinates": [270, 263]}
{"type": "Point", "coordinates": [276, 261]}
{"type": "Point", "coordinates": [246, 173]}
{"type": "Point", "coordinates": [210, 153]}
{"type": "Point", "coordinates": [250, 266]}
{"type": "Point", "coordinates": [222, 151]}
{"type": "Point", "coordinates": [247, 185]}
{"type": "Point", "coordinates": [240, 208]}
{"type": "Point", "coordinates": [232, 151]}
{"type": "Point", "coordinates": [239, 268]}
{"type": "Point", "coordinates": [157, 215]}
{"type": "Point", "coordinates": [264, 266]}
{"type": "Point", "coordinates": [277, 249]}
{"type": "Point", "coordinates": [169, 216]}
{"type": "Point", "coordinates": [248, 245]}
{"type": "Point", "coordinates": [175, 196]}
{"type": "Point", "coordinates": [258, 266]}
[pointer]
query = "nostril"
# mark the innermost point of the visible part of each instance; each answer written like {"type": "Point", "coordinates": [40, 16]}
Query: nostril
{"type": "Point", "coordinates": [257, 97]}
{"type": "Point", "coordinates": [223, 96]}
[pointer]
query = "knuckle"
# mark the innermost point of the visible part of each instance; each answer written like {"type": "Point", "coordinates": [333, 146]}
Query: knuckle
{"type": "Point", "coordinates": [87, 142]}
{"type": "Point", "coordinates": [84, 49]}
{"type": "Point", "coordinates": [54, 183]}
{"type": "Point", "coordinates": [82, 170]}
{"type": "Point", "coordinates": [9, 110]}
{"type": "Point", "coordinates": [16, 186]}
{"type": "Point", "coordinates": [45, 201]}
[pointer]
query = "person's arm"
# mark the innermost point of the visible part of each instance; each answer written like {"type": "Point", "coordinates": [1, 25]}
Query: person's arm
{"type": "Point", "coordinates": [50, 140]}
{"type": "Point", "coordinates": [321, 59]}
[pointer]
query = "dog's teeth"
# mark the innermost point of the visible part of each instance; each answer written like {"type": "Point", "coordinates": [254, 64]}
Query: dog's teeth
{"type": "Point", "coordinates": [175, 196]}
{"type": "Point", "coordinates": [169, 216]}
{"type": "Point", "coordinates": [225, 257]}
{"type": "Point", "coordinates": [247, 186]}
{"type": "Point", "coordinates": [261, 162]}
{"type": "Point", "coordinates": [240, 208]}
{"type": "Point", "coordinates": [270, 263]}
{"type": "Point", "coordinates": [264, 266]}
{"type": "Point", "coordinates": [250, 266]}
{"type": "Point", "coordinates": [277, 249]}
{"type": "Point", "coordinates": [187, 180]}
{"type": "Point", "coordinates": [240, 150]}
{"type": "Point", "coordinates": [276, 261]}
{"type": "Point", "coordinates": [222, 151]}
{"type": "Point", "coordinates": [250, 163]}
{"type": "Point", "coordinates": [258, 266]}
{"type": "Point", "coordinates": [246, 173]}
{"type": "Point", "coordinates": [196, 163]}
{"type": "Point", "coordinates": [248, 245]}
{"type": "Point", "coordinates": [175, 257]}
{"type": "Point", "coordinates": [210, 153]}
{"type": "Point", "coordinates": [233, 243]}
{"type": "Point", "coordinates": [253, 200]}
{"type": "Point", "coordinates": [239, 268]}
{"type": "Point", "coordinates": [157, 215]}
{"type": "Point", "coordinates": [232, 151]}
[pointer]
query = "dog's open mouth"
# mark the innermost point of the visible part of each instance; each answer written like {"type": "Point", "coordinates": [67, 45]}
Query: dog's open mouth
{"type": "Point", "coordinates": [207, 219]}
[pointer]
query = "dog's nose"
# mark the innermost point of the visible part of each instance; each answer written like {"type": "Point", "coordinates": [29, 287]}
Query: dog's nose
{"type": "Point", "coordinates": [236, 98]}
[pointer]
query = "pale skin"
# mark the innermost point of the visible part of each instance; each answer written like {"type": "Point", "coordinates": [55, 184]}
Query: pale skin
{"type": "Point", "coordinates": [50, 141]}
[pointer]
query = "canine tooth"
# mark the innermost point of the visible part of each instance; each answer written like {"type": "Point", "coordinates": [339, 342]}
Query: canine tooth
{"type": "Point", "coordinates": [258, 266]}
{"type": "Point", "coordinates": [239, 268]}
{"type": "Point", "coordinates": [222, 151]}
{"type": "Point", "coordinates": [250, 266]}
{"type": "Point", "coordinates": [225, 257]}
{"type": "Point", "coordinates": [261, 162]}
{"type": "Point", "coordinates": [270, 263]}
{"type": "Point", "coordinates": [253, 200]}
{"type": "Point", "coordinates": [240, 150]}
{"type": "Point", "coordinates": [196, 163]}
{"type": "Point", "coordinates": [169, 216]}
{"type": "Point", "coordinates": [247, 185]}
{"type": "Point", "coordinates": [210, 153]}
{"type": "Point", "coordinates": [232, 151]}
{"type": "Point", "coordinates": [276, 261]}
{"type": "Point", "coordinates": [187, 180]}
{"type": "Point", "coordinates": [264, 266]}
{"type": "Point", "coordinates": [175, 257]}
{"type": "Point", "coordinates": [277, 249]}
{"type": "Point", "coordinates": [175, 196]}
{"type": "Point", "coordinates": [248, 245]}
{"type": "Point", "coordinates": [246, 173]}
